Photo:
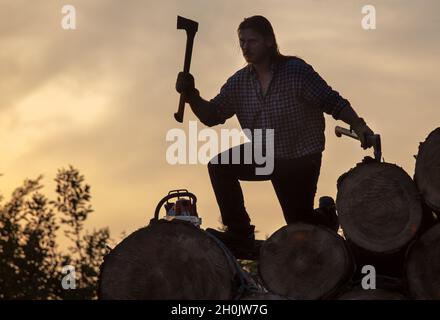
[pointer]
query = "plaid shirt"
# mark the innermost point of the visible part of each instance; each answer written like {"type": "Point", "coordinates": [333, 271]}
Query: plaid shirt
{"type": "Point", "coordinates": [293, 106]}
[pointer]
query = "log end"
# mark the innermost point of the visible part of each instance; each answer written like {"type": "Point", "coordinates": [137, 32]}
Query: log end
{"type": "Point", "coordinates": [302, 261]}
{"type": "Point", "coordinates": [423, 266]}
{"type": "Point", "coordinates": [167, 260]}
{"type": "Point", "coordinates": [379, 207]}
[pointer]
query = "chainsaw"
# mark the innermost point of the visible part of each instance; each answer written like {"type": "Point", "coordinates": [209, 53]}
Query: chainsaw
{"type": "Point", "coordinates": [185, 207]}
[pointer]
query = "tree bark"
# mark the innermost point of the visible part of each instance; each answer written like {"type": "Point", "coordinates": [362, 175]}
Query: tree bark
{"type": "Point", "coordinates": [427, 172]}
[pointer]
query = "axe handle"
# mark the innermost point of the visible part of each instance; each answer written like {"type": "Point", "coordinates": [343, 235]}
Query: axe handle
{"type": "Point", "coordinates": [339, 131]}
{"type": "Point", "coordinates": [188, 53]}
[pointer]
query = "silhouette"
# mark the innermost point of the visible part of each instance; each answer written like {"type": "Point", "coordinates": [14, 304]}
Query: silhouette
{"type": "Point", "coordinates": [277, 92]}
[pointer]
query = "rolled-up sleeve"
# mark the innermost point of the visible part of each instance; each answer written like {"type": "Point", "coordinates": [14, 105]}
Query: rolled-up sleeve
{"type": "Point", "coordinates": [226, 101]}
{"type": "Point", "coordinates": [315, 91]}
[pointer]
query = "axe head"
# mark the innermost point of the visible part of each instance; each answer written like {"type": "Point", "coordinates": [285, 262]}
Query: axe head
{"type": "Point", "coordinates": [190, 26]}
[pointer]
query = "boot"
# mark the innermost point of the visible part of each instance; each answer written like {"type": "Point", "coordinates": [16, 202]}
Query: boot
{"type": "Point", "coordinates": [239, 242]}
{"type": "Point", "coordinates": [327, 213]}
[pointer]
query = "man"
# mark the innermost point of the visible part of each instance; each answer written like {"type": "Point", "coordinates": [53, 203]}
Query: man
{"type": "Point", "coordinates": [272, 92]}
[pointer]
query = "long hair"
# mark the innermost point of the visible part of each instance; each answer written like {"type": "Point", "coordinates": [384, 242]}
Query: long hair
{"type": "Point", "coordinates": [263, 27]}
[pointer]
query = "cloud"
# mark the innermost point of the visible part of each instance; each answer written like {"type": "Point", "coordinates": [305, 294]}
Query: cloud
{"type": "Point", "coordinates": [102, 97]}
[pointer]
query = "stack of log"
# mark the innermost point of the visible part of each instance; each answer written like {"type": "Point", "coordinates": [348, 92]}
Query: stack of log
{"type": "Point", "coordinates": [389, 222]}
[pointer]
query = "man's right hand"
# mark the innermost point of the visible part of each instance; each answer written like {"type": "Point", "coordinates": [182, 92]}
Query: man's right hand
{"type": "Point", "coordinates": [185, 83]}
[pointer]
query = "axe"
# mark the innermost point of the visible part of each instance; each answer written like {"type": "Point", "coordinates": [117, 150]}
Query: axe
{"type": "Point", "coordinates": [191, 28]}
{"type": "Point", "coordinates": [373, 140]}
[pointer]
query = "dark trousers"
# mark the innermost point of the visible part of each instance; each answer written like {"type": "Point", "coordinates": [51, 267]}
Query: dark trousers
{"type": "Point", "coordinates": [294, 181]}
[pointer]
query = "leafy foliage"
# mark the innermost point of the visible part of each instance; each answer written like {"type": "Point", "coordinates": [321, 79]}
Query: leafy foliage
{"type": "Point", "coordinates": [31, 263]}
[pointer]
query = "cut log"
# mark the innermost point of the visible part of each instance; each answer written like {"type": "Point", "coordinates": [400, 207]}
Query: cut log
{"type": "Point", "coordinates": [386, 288]}
{"type": "Point", "coordinates": [423, 266]}
{"type": "Point", "coordinates": [262, 296]}
{"type": "Point", "coordinates": [373, 294]}
{"type": "Point", "coordinates": [427, 172]}
{"type": "Point", "coordinates": [302, 261]}
{"type": "Point", "coordinates": [379, 207]}
{"type": "Point", "coordinates": [390, 264]}
{"type": "Point", "coordinates": [167, 260]}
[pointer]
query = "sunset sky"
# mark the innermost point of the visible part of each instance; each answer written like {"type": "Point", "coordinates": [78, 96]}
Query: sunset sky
{"type": "Point", "coordinates": [102, 97]}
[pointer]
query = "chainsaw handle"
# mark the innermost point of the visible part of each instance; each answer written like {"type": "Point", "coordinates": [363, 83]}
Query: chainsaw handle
{"type": "Point", "coordinates": [174, 194]}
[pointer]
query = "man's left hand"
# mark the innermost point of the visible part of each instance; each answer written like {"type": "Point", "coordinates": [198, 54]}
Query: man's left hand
{"type": "Point", "coordinates": [362, 131]}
